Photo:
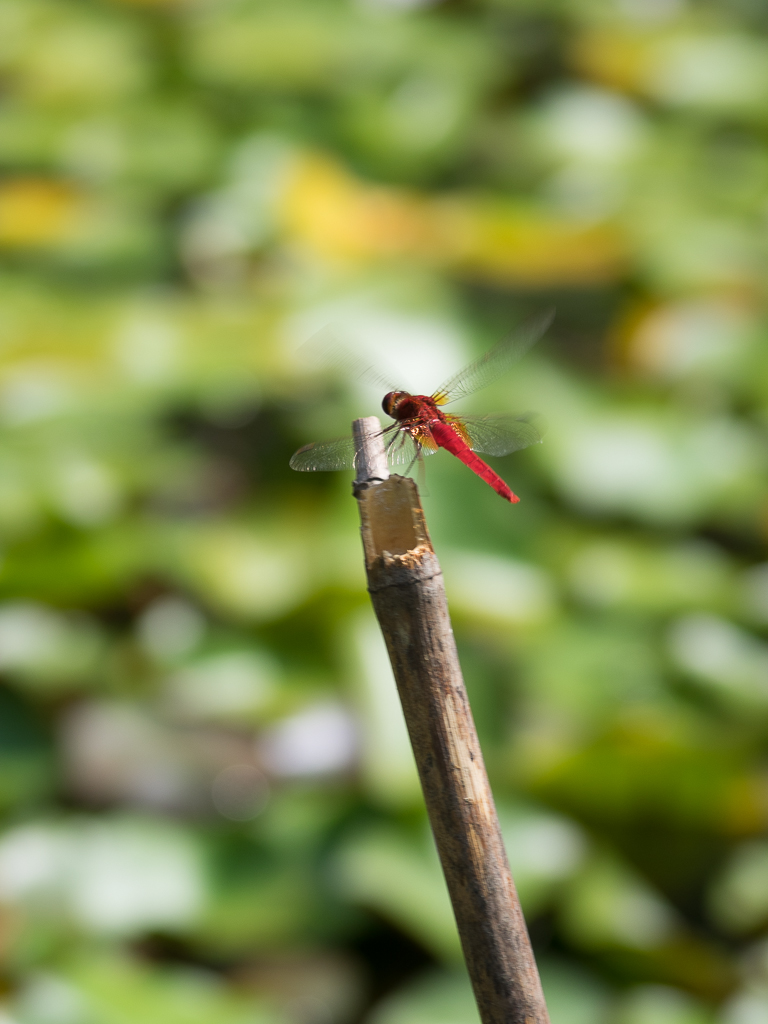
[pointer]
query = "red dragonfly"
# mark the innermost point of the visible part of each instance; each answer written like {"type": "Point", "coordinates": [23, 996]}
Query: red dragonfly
{"type": "Point", "coordinates": [421, 427]}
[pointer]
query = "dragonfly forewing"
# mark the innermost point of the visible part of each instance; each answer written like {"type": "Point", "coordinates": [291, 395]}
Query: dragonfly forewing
{"type": "Point", "coordinates": [497, 361]}
{"type": "Point", "coordinates": [331, 349]}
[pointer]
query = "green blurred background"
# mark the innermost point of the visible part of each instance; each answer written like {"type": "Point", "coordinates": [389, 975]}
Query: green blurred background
{"type": "Point", "coordinates": [210, 811]}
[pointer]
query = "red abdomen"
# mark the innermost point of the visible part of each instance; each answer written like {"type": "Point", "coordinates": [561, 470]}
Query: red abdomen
{"type": "Point", "coordinates": [447, 438]}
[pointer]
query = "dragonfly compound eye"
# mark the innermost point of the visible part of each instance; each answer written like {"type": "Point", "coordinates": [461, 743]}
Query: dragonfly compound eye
{"type": "Point", "coordinates": [389, 402]}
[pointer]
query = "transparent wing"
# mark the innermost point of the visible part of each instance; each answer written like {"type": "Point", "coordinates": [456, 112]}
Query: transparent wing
{"type": "Point", "coordinates": [497, 435]}
{"type": "Point", "coordinates": [495, 362]}
{"type": "Point", "coordinates": [403, 444]}
{"type": "Point", "coordinates": [330, 349]}
{"type": "Point", "coordinates": [340, 453]}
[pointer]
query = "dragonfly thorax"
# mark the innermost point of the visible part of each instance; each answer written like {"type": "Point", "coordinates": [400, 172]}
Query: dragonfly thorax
{"type": "Point", "coordinates": [401, 405]}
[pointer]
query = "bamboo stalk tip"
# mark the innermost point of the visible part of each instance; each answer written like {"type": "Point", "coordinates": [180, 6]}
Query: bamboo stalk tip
{"type": "Point", "coordinates": [371, 454]}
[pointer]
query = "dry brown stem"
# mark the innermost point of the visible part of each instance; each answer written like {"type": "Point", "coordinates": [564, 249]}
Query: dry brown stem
{"type": "Point", "coordinates": [406, 587]}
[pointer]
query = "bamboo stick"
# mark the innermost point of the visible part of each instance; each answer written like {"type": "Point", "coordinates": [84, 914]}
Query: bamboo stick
{"type": "Point", "coordinates": [406, 587]}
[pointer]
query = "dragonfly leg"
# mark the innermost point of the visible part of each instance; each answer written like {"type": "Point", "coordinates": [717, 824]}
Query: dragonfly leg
{"type": "Point", "coordinates": [416, 458]}
{"type": "Point", "coordinates": [398, 437]}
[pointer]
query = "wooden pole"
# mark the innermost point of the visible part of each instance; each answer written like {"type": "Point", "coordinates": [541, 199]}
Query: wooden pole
{"type": "Point", "coordinates": [406, 587]}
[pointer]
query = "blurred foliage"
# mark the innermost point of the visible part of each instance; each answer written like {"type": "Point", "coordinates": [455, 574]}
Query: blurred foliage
{"type": "Point", "coordinates": [210, 810]}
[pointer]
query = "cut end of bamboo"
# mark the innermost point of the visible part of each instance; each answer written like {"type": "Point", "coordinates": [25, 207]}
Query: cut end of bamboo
{"type": "Point", "coordinates": [395, 536]}
{"type": "Point", "coordinates": [393, 525]}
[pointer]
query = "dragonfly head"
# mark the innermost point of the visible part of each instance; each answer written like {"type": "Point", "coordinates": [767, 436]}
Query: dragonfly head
{"type": "Point", "coordinates": [391, 401]}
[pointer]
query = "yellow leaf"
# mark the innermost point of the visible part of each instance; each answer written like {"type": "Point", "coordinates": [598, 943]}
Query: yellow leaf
{"type": "Point", "coordinates": [36, 211]}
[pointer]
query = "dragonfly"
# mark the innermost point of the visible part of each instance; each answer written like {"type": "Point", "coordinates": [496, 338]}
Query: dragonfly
{"type": "Point", "coordinates": [421, 427]}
